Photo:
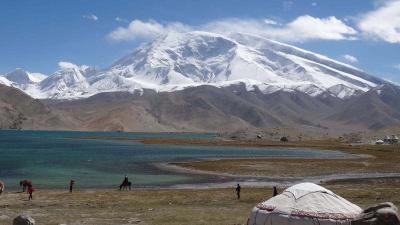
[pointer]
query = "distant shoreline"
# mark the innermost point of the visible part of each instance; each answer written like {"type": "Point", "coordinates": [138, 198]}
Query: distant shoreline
{"type": "Point", "coordinates": [227, 179]}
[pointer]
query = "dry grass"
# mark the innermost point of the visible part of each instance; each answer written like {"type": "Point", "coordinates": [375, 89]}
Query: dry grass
{"type": "Point", "coordinates": [170, 207]}
{"type": "Point", "coordinates": [384, 159]}
{"type": "Point", "coordinates": [366, 192]}
{"type": "Point", "coordinates": [164, 207]}
{"type": "Point", "coordinates": [289, 167]}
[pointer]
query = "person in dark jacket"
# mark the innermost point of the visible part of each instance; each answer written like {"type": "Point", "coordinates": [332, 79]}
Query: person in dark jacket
{"type": "Point", "coordinates": [125, 180]}
{"type": "Point", "coordinates": [238, 189]}
{"type": "Point", "coordinates": [274, 192]}
{"type": "Point", "coordinates": [71, 185]}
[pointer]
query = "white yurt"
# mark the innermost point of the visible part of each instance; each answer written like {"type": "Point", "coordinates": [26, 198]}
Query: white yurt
{"type": "Point", "coordinates": [304, 204]}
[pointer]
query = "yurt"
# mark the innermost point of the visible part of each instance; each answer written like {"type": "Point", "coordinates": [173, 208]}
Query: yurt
{"type": "Point", "coordinates": [304, 204]}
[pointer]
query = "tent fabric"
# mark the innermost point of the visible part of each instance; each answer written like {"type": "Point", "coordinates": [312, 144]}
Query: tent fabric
{"type": "Point", "coordinates": [303, 204]}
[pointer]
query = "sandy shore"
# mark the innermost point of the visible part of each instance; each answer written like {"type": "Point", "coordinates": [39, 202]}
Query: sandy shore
{"type": "Point", "coordinates": [262, 181]}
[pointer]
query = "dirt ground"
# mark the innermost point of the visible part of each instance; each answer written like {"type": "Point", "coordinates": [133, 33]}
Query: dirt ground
{"type": "Point", "coordinates": [170, 207]}
{"type": "Point", "coordinates": [164, 207]}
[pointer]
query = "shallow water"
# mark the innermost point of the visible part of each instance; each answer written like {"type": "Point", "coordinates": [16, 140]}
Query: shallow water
{"type": "Point", "coordinates": [51, 158]}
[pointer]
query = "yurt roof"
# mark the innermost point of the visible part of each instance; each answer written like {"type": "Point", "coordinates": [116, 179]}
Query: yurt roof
{"type": "Point", "coordinates": [302, 189]}
{"type": "Point", "coordinates": [311, 200]}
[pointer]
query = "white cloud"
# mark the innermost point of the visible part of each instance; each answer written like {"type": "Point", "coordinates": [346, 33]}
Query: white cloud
{"type": "Point", "coordinates": [138, 29]}
{"type": "Point", "coordinates": [119, 19]}
{"type": "Point", "coordinates": [330, 28]}
{"type": "Point", "coordinates": [270, 22]}
{"type": "Point", "coordinates": [91, 17]}
{"type": "Point", "coordinates": [383, 23]}
{"type": "Point", "coordinates": [301, 29]}
{"type": "Point", "coordinates": [350, 58]}
{"type": "Point", "coordinates": [314, 4]}
{"type": "Point", "coordinates": [397, 66]}
{"type": "Point", "coordinates": [66, 65]}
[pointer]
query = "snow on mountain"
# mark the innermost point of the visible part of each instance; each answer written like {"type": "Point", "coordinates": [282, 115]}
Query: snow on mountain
{"type": "Point", "coordinates": [22, 77]}
{"type": "Point", "coordinates": [179, 60]}
{"type": "Point", "coordinates": [5, 81]}
{"type": "Point", "coordinates": [24, 80]}
{"type": "Point", "coordinates": [68, 82]}
{"type": "Point", "coordinates": [195, 58]}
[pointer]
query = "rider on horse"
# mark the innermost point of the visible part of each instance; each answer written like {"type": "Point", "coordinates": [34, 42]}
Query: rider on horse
{"type": "Point", "coordinates": [125, 184]}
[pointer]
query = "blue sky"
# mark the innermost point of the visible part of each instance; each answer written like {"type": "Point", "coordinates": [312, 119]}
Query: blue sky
{"type": "Point", "coordinates": [37, 34]}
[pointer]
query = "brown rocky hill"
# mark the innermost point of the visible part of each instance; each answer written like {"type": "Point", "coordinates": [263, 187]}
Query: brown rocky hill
{"type": "Point", "coordinates": [19, 111]}
{"type": "Point", "coordinates": [378, 108]}
{"type": "Point", "coordinates": [204, 109]}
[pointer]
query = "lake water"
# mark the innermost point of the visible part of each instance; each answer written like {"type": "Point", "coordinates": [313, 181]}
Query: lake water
{"type": "Point", "coordinates": [51, 159]}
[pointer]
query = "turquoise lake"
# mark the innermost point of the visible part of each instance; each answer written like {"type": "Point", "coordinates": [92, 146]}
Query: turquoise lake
{"type": "Point", "coordinates": [51, 158]}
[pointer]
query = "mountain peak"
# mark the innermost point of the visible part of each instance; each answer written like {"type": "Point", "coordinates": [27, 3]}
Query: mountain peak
{"type": "Point", "coordinates": [67, 82]}
{"type": "Point", "coordinates": [179, 60]}
{"type": "Point", "coordinates": [195, 58]}
{"type": "Point", "coordinates": [21, 77]}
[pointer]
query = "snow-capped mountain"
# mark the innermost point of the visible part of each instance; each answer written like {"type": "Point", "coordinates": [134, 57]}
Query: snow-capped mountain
{"type": "Point", "coordinates": [67, 82]}
{"type": "Point", "coordinates": [22, 77]}
{"type": "Point", "coordinates": [5, 81]}
{"type": "Point", "coordinates": [24, 80]}
{"type": "Point", "coordinates": [195, 58]}
{"type": "Point", "coordinates": [179, 60]}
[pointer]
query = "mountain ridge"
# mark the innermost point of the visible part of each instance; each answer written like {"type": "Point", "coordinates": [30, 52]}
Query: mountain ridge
{"type": "Point", "coordinates": [203, 82]}
{"type": "Point", "coordinates": [180, 60]}
{"type": "Point", "coordinates": [204, 109]}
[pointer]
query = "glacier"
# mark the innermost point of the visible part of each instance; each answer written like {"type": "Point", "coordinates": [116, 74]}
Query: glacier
{"type": "Point", "coordinates": [180, 60]}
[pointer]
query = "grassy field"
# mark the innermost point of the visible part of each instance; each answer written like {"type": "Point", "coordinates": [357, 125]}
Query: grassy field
{"type": "Point", "coordinates": [164, 207]}
{"type": "Point", "coordinates": [382, 159]}
{"type": "Point", "coordinates": [169, 207]}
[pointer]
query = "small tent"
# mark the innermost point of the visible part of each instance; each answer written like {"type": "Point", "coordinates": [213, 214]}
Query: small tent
{"type": "Point", "coordinates": [395, 139]}
{"type": "Point", "coordinates": [304, 204]}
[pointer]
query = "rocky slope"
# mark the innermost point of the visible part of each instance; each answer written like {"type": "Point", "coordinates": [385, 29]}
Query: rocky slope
{"type": "Point", "coordinates": [19, 111]}
{"type": "Point", "coordinates": [208, 108]}
{"type": "Point", "coordinates": [204, 109]}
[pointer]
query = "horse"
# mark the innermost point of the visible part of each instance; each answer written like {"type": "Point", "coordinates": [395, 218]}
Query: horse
{"type": "Point", "coordinates": [125, 186]}
{"type": "Point", "coordinates": [25, 184]}
{"type": "Point", "coordinates": [2, 187]}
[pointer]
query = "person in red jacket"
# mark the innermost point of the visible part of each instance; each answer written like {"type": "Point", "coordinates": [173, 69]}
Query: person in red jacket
{"type": "Point", "coordinates": [30, 192]}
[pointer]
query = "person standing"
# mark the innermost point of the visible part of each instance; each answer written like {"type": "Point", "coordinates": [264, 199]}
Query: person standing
{"type": "Point", "coordinates": [71, 185]}
{"type": "Point", "coordinates": [125, 182]}
{"type": "Point", "coordinates": [274, 192]}
{"type": "Point", "coordinates": [30, 192]}
{"type": "Point", "coordinates": [238, 189]}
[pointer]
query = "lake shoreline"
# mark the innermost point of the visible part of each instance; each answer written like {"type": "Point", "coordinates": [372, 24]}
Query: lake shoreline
{"type": "Point", "coordinates": [225, 177]}
{"type": "Point", "coordinates": [202, 203]}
